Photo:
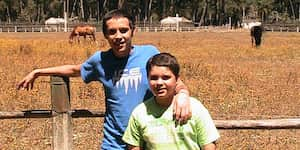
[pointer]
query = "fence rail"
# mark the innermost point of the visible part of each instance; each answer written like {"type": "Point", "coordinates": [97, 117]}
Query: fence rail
{"type": "Point", "coordinates": [78, 113]}
{"type": "Point", "coordinates": [62, 115]}
{"type": "Point", "coordinates": [292, 123]}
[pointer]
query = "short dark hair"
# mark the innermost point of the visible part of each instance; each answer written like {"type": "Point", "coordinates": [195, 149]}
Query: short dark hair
{"type": "Point", "coordinates": [165, 60]}
{"type": "Point", "coordinates": [117, 13]}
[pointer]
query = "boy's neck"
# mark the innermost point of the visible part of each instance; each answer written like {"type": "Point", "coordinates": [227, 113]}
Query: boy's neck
{"type": "Point", "coordinates": [163, 102]}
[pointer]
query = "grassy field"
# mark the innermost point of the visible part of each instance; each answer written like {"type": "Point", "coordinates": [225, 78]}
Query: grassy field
{"type": "Point", "coordinates": [232, 79]}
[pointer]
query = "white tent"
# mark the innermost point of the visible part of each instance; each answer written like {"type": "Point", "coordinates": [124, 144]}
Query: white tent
{"type": "Point", "coordinates": [54, 21]}
{"type": "Point", "coordinates": [174, 20]}
{"type": "Point", "coordinates": [54, 24]}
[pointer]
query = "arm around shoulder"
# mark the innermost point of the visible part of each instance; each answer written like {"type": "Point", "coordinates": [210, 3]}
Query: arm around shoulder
{"type": "Point", "coordinates": [181, 87]}
{"type": "Point", "coordinates": [181, 104]}
{"type": "Point", "coordinates": [210, 146]}
{"type": "Point", "coordinates": [131, 147]}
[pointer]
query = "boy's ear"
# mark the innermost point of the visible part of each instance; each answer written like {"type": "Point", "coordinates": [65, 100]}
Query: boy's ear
{"type": "Point", "coordinates": [177, 79]}
{"type": "Point", "coordinates": [134, 31]}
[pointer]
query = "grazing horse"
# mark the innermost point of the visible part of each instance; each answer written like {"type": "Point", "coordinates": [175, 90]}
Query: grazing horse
{"type": "Point", "coordinates": [82, 30]}
{"type": "Point", "coordinates": [256, 33]}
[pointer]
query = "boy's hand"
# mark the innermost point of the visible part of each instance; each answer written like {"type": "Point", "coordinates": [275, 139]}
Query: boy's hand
{"type": "Point", "coordinates": [27, 82]}
{"type": "Point", "coordinates": [181, 110]}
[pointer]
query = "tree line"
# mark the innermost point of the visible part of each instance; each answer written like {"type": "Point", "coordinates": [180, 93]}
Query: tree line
{"type": "Point", "coordinates": [201, 12]}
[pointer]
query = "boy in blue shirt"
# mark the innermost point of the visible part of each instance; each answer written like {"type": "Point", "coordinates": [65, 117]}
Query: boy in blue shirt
{"type": "Point", "coordinates": [122, 72]}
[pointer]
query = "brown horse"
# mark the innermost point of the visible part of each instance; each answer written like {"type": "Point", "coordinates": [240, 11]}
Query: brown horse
{"type": "Point", "coordinates": [82, 30]}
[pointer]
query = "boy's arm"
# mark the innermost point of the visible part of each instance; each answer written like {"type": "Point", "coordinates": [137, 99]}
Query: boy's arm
{"type": "Point", "coordinates": [66, 70]}
{"type": "Point", "coordinates": [182, 110]}
{"type": "Point", "coordinates": [210, 146]}
{"type": "Point", "coordinates": [131, 147]}
{"type": "Point", "coordinates": [181, 87]}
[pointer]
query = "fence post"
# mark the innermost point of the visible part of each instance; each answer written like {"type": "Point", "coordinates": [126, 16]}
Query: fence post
{"type": "Point", "coordinates": [62, 120]}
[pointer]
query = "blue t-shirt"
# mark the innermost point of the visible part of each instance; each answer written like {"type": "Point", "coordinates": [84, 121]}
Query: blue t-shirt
{"type": "Point", "coordinates": [125, 85]}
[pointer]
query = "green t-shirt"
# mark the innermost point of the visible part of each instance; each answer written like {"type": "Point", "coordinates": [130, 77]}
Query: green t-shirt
{"type": "Point", "coordinates": [152, 127]}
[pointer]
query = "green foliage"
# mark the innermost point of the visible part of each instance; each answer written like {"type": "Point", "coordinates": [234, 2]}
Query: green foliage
{"type": "Point", "coordinates": [208, 12]}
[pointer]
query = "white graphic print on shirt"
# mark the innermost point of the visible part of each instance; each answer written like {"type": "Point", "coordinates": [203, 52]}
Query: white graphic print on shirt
{"type": "Point", "coordinates": [127, 77]}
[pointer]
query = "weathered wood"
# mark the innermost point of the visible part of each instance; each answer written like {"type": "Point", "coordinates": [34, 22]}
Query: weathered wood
{"type": "Point", "coordinates": [62, 122]}
{"type": "Point", "coordinates": [26, 114]}
{"type": "Point", "coordinates": [62, 132]}
{"type": "Point", "coordinates": [87, 113]}
{"type": "Point", "coordinates": [292, 123]}
{"type": "Point", "coordinates": [259, 124]}
{"type": "Point", "coordinates": [60, 94]}
{"type": "Point", "coordinates": [48, 113]}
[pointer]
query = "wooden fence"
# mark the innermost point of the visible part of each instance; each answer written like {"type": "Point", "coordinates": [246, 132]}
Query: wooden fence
{"type": "Point", "coordinates": [150, 28]}
{"type": "Point", "coordinates": [62, 115]}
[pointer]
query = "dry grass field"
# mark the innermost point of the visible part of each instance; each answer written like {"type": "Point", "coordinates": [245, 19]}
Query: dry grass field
{"type": "Point", "coordinates": [232, 79]}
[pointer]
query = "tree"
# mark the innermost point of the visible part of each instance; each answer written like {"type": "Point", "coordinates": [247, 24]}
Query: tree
{"type": "Point", "coordinates": [264, 8]}
{"type": "Point", "coordinates": [292, 9]}
{"type": "Point", "coordinates": [81, 9]}
{"type": "Point", "coordinates": [7, 8]}
{"type": "Point", "coordinates": [204, 12]}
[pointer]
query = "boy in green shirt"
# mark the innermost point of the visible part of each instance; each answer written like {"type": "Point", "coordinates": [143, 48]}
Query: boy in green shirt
{"type": "Point", "coordinates": [151, 125]}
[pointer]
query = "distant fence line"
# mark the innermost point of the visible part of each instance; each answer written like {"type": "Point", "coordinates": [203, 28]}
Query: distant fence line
{"type": "Point", "coordinates": [149, 28]}
{"type": "Point", "coordinates": [62, 115]}
{"type": "Point", "coordinates": [282, 28]}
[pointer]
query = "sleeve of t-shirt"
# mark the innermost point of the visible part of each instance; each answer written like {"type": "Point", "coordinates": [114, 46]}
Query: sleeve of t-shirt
{"type": "Point", "coordinates": [207, 132]}
{"type": "Point", "coordinates": [151, 49]}
{"type": "Point", "coordinates": [88, 69]}
{"type": "Point", "coordinates": [132, 135]}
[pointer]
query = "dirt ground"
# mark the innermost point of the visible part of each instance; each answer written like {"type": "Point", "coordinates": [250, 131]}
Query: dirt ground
{"type": "Point", "coordinates": [231, 78]}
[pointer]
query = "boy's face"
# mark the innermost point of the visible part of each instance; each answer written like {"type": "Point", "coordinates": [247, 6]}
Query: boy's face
{"type": "Point", "coordinates": [119, 35]}
{"type": "Point", "coordinates": [162, 83]}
